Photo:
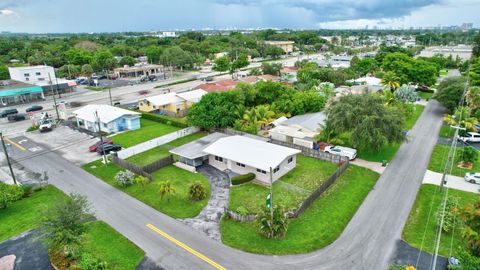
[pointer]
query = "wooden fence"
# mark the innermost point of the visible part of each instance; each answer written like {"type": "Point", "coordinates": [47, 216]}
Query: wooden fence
{"type": "Point", "coordinates": [139, 170]}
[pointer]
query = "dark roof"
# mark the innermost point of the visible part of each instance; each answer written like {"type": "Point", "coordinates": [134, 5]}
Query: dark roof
{"type": "Point", "coordinates": [12, 84]}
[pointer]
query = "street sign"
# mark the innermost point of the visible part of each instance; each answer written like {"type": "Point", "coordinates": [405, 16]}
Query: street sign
{"type": "Point", "coordinates": [268, 202]}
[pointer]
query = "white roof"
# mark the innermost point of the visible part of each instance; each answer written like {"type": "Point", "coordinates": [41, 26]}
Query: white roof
{"type": "Point", "coordinates": [279, 120]}
{"type": "Point", "coordinates": [255, 153]}
{"type": "Point", "coordinates": [164, 99]}
{"type": "Point", "coordinates": [293, 131]}
{"type": "Point", "coordinates": [106, 113]}
{"type": "Point", "coordinates": [369, 80]}
{"type": "Point", "coordinates": [192, 96]}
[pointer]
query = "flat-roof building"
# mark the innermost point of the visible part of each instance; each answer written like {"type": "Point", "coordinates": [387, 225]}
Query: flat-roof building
{"type": "Point", "coordinates": [14, 92]}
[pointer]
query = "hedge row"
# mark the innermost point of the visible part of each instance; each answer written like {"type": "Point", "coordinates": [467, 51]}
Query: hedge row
{"type": "Point", "coordinates": [242, 179]}
{"type": "Point", "coordinates": [164, 120]}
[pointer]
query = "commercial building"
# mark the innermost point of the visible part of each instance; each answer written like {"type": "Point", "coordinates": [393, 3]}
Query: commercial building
{"type": "Point", "coordinates": [112, 119]}
{"type": "Point", "coordinates": [40, 76]}
{"type": "Point", "coordinates": [14, 92]}
{"type": "Point", "coordinates": [137, 70]}
{"type": "Point", "coordinates": [239, 155]}
{"type": "Point", "coordinates": [286, 46]}
{"type": "Point", "coordinates": [172, 104]}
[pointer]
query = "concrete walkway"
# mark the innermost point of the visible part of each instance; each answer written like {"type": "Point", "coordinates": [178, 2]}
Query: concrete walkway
{"type": "Point", "coordinates": [374, 166]}
{"type": "Point", "coordinates": [453, 182]}
{"type": "Point", "coordinates": [208, 221]}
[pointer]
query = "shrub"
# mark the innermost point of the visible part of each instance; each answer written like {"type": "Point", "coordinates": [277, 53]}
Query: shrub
{"type": "Point", "coordinates": [242, 179]}
{"type": "Point", "coordinates": [89, 262]}
{"type": "Point", "coordinates": [450, 217]}
{"type": "Point", "coordinates": [164, 120]}
{"type": "Point", "coordinates": [9, 194]}
{"type": "Point", "coordinates": [125, 178]}
{"type": "Point", "coordinates": [273, 226]}
{"type": "Point", "coordinates": [469, 154]}
{"type": "Point", "coordinates": [33, 128]}
{"type": "Point", "coordinates": [142, 180]}
{"type": "Point", "coordinates": [197, 192]}
{"type": "Point", "coordinates": [27, 191]}
{"type": "Point", "coordinates": [242, 211]}
{"type": "Point", "coordinates": [166, 188]}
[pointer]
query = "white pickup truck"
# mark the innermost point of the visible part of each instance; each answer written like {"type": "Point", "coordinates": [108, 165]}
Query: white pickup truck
{"type": "Point", "coordinates": [348, 152]}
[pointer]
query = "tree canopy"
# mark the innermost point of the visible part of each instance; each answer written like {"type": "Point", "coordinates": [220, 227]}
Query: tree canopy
{"type": "Point", "coordinates": [450, 91]}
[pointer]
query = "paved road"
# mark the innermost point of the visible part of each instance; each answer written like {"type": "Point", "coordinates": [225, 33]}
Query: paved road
{"type": "Point", "coordinates": [368, 241]}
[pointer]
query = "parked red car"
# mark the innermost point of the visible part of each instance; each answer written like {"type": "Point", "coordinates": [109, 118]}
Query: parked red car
{"type": "Point", "coordinates": [93, 148]}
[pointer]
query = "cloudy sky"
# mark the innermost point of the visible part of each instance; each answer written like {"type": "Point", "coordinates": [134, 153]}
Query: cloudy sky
{"type": "Point", "coordinates": [40, 16]}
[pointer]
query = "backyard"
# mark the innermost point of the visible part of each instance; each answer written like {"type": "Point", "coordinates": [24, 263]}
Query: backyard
{"type": "Point", "coordinates": [101, 240]}
{"type": "Point", "coordinates": [289, 191]}
{"type": "Point", "coordinates": [149, 130]}
{"type": "Point", "coordinates": [439, 157]}
{"type": "Point", "coordinates": [317, 227]}
{"type": "Point", "coordinates": [161, 151]}
{"type": "Point", "coordinates": [418, 222]}
{"type": "Point", "coordinates": [177, 205]}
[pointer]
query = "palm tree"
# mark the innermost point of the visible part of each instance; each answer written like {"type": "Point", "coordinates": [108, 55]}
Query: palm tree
{"type": "Point", "coordinates": [461, 117]}
{"type": "Point", "coordinates": [264, 115]}
{"type": "Point", "coordinates": [250, 116]}
{"type": "Point", "coordinates": [166, 188]}
{"type": "Point", "coordinates": [391, 81]}
{"type": "Point", "coordinates": [473, 97]}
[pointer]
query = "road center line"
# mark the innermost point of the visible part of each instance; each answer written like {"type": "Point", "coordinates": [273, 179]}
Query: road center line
{"type": "Point", "coordinates": [187, 248]}
{"type": "Point", "coordinates": [14, 143]}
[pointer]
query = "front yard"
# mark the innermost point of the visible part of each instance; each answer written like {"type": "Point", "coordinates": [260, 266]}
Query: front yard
{"type": "Point", "coordinates": [289, 191]}
{"type": "Point", "coordinates": [161, 151]}
{"type": "Point", "coordinates": [177, 205]}
{"type": "Point", "coordinates": [101, 240]}
{"type": "Point", "coordinates": [439, 157]}
{"type": "Point", "coordinates": [416, 225]}
{"type": "Point", "coordinates": [149, 130]}
{"type": "Point", "coordinates": [317, 227]}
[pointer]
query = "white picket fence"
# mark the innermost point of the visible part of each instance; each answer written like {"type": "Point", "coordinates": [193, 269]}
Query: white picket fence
{"type": "Point", "coordinates": [142, 147]}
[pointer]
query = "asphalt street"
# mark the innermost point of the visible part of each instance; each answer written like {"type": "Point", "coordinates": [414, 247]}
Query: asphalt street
{"type": "Point", "coordinates": [368, 242]}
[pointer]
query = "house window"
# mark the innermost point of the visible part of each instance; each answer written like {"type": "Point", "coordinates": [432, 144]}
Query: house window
{"type": "Point", "coordinates": [26, 75]}
{"type": "Point", "coordinates": [276, 169]}
{"type": "Point", "coordinates": [38, 73]}
{"type": "Point", "coordinates": [41, 79]}
{"type": "Point", "coordinates": [290, 159]}
{"type": "Point", "coordinates": [261, 171]}
{"type": "Point", "coordinates": [240, 164]}
{"type": "Point", "coordinates": [217, 158]}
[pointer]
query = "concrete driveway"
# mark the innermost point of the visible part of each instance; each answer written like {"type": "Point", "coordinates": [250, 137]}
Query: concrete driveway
{"type": "Point", "coordinates": [69, 143]}
{"type": "Point", "coordinates": [453, 182]}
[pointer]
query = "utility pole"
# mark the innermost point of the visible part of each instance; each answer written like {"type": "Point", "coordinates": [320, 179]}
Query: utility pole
{"type": "Point", "coordinates": [53, 94]}
{"type": "Point", "coordinates": [101, 138]}
{"type": "Point", "coordinates": [110, 94]}
{"type": "Point", "coordinates": [8, 159]}
{"type": "Point", "coordinates": [271, 193]}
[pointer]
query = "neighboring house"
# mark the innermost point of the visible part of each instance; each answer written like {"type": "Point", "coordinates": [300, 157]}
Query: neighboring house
{"type": "Point", "coordinates": [239, 155]}
{"type": "Point", "coordinates": [254, 79]}
{"type": "Point", "coordinates": [112, 119]}
{"type": "Point", "coordinates": [300, 130]}
{"type": "Point", "coordinates": [219, 86]}
{"type": "Point", "coordinates": [173, 104]}
{"type": "Point", "coordinates": [286, 46]}
{"type": "Point", "coordinates": [139, 70]}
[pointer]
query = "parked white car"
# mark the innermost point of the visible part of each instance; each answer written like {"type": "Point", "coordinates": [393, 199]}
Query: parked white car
{"type": "Point", "coordinates": [472, 177]}
{"type": "Point", "coordinates": [470, 137]}
{"type": "Point", "coordinates": [348, 152]}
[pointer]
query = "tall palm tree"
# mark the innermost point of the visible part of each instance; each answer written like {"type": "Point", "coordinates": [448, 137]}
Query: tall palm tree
{"type": "Point", "coordinates": [391, 81]}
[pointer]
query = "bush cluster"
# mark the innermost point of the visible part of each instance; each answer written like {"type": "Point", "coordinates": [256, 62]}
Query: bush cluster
{"type": "Point", "coordinates": [242, 179]}
{"type": "Point", "coordinates": [164, 120]}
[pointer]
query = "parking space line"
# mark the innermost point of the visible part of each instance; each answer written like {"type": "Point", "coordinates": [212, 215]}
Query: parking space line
{"type": "Point", "coordinates": [14, 143]}
{"type": "Point", "coordinates": [187, 248]}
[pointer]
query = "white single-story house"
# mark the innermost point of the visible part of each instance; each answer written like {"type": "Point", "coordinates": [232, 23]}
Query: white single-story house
{"type": "Point", "coordinates": [173, 104]}
{"type": "Point", "coordinates": [238, 154]}
{"type": "Point", "coordinates": [112, 119]}
{"type": "Point", "coordinates": [300, 130]}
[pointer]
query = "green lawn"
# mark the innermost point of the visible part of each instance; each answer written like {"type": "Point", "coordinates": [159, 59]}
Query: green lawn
{"type": "Point", "coordinates": [389, 151]}
{"type": "Point", "coordinates": [439, 157]}
{"type": "Point", "coordinates": [443, 72]}
{"type": "Point", "coordinates": [103, 242]}
{"type": "Point", "coordinates": [289, 191]}
{"type": "Point", "coordinates": [425, 95]}
{"type": "Point", "coordinates": [161, 151]}
{"type": "Point", "coordinates": [417, 221]}
{"type": "Point", "coordinates": [178, 205]}
{"type": "Point", "coordinates": [317, 227]}
{"type": "Point", "coordinates": [446, 131]}
{"type": "Point", "coordinates": [26, 214]}
{"type": "Point", "coordinates": [149, 130]}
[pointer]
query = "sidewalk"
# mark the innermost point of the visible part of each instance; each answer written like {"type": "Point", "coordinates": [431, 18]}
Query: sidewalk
{"type": "Point", "coordinates": [374, 166]}
{"type": "Point", "coordinates": [454, 182]}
